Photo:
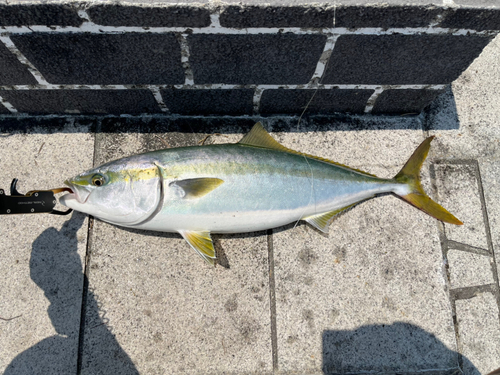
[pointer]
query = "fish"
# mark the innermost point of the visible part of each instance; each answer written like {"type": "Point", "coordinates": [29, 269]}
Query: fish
{"type": "Point", "coordinates": [255, 184]}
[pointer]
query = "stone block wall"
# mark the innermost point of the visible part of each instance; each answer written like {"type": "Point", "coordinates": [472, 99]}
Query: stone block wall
{"type": "Point", "coordinates": [236, 59]}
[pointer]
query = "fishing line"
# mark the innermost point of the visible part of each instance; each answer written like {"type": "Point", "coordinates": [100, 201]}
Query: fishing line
{"type": "Point", "coordinates": [311, 195]}
{"type": "Point", "coordinates": [298, 126]}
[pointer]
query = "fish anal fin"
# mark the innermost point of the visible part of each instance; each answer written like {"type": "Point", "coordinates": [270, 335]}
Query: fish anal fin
{"type": "Point", "coordinates": [202, 243]}
{"type": "Point", "coordinates": [322, 221]}
{"type": "Point", "coordinates": [259, 137]}
{"type": "Point", "coordinates": [197, 187]}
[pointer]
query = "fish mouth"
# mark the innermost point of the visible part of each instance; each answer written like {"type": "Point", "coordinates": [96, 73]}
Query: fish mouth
{"type": "Point", "coordinates": [78, 193]}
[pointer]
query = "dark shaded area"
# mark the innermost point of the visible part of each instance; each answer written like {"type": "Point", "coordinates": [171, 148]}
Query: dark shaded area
{"type": "Point", "coordinates": [148, 16]}
{"type": "Point", "coordinates": [294, 101]}
{"type": "Point", "coordinates": [82, 101]}
{"type": "Point", "coordinates": [39, 14]}
{"type": "Point", "coordinates": [3, 110]}
{"type": "Point", "coordinates": [239, 16]}
{"type": "Point", "coordinates": [472, 18]}
{"type": "Point", "coordinates": [156, 125]}
{"type": "Point", "coordinates": [390, 349]}
{"type": "Point", "coordinates": [402, 59]}
{"type": "Point", "coordinates": [404, 101]}
{"type": "Point", "coordinates": [386, 17]}
{"type": "Point", "coordinates": [56, 268]}
{"type": "Point", "coordinates": [80, 58]}
{"type": "Point", "coordinates": [209, 102]}
{"type": "Point", "coordinates": [12, 72]}
{"type": "Point", "coordinates": [247, 59]}
{"type": "Point", "coordinates": [442, 114]}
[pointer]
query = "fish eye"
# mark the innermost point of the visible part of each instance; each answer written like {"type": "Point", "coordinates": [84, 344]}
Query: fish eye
{"type": "Point", "coordinates": [98, 180]}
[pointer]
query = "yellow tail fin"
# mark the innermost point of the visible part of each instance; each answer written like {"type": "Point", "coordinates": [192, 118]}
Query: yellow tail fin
{"type": "Point", "coordinates": [410, 175]}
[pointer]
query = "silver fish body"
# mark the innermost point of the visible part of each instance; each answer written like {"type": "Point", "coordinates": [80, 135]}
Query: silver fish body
{"type": "Point", "coordinates": [252, 185]}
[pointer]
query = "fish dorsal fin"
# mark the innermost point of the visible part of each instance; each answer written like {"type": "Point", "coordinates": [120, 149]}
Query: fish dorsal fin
{"type": "Point", "coordinates": [323, 221]}
{"type": "Point", "coordinates": [259, 137]}
{"type": "Point", "coordinates": [201, 242]}
{"type": "Point", "coordinates": [197, 187]}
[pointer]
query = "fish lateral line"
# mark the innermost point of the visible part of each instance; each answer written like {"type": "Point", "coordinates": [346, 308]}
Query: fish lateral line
{"type": "Point", "coordinates": [231, 189]}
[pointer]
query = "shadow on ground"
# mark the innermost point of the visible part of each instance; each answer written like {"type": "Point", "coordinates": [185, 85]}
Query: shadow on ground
{"type": "Point", "coordinates": [390, 349]}
{"type": "Point", "coordinates": [441, 114]}
{"type": "Point", "coordinates": [56, 268]}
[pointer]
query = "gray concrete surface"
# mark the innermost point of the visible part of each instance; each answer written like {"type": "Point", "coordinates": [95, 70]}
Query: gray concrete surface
{"type": "Point", "coordinates": [389, 290]}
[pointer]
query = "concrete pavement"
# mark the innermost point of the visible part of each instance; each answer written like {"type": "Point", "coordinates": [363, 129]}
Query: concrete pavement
{"type": "Point", "coordinates": [389, 290]}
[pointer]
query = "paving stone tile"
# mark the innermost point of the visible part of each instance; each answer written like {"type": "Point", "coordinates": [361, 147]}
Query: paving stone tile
{"type": "Point", "coordinates": [401, 59]}
{"type": "Point", "coordinates": [149, 16]}
{"type": "Point", "coordinates": [467, 269]}
{"type": "Point", "coordinates": [12, 72]}
{"type": "Point", "coordinates": [41, 274]}
{"type": "Point", "coordinates": [82, 101]}
{"type": "Point", "coordinates": [39, 14]}
{"type": "Point", "coordinates": [458, 191]}
{"type": "Point", "coordinates": [479, 332]}
{"type": "Point", "coordinates": [292, 101]}
{"type": "Point", "coordinates": [81, 58]}
{"type": "Point", "coordinates": [247, 59]}
{"type": "Point", "coordinates": [156, 307]}
{"type": "Point", "coordinates": [369, 280]}
{"type": "Point", "coordinates": [491, 186]}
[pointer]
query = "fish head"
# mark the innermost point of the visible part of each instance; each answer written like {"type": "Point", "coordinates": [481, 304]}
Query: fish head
{"type": "Point", "coordinates": [123, 192]}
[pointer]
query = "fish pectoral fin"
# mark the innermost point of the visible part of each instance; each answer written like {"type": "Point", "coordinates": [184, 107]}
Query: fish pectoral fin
{"type": "Point", "coordinates": [201, 242]}
{"type": "Point", "coordinates": [197, 187]}
{"type": "Point", "coordinates": [323, 221]}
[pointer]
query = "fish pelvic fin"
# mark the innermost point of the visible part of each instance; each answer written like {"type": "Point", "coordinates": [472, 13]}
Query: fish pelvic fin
{"type": "Point", "coordinates": [322, 221]}
{"type": "Point", "coordinates": [202, 243]}
{"type": "Point", "coordinates": [410, 176]}
{"type": "Point", "coordinates": [259, 137]}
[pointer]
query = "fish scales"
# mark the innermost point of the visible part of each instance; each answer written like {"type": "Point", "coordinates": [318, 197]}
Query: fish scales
{"type": "Point", "coordinates": [258, 183]}
{"type": "Point", "coordinates": [252, 185]}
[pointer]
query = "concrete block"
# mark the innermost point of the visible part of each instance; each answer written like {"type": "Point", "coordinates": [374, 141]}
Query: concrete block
{"type": "Point", "coordinates": [247, 59]}
{"type": "Point", "coordinates": [467, 269]}
{"type": "Point", "coordinates": [396, 16]}
{"type": "Point", "coordinates": [271, 16]}
{"type": "Point", "coordinates": [3, 110]}
{"type": "Point", "coordinates": [82, 101]}
{"type": "Point", "coordinates": [149, 16]}
{"type": "Point", "coordinates": [324, 101]}
{"type": "Point", "coordinates": [402, 59]}
{"type": "Point", "coordinates": [155, 307]}
{"type": "Point", "coordinates": [131, 58]}
{"type": "Point", "coordinates": [458, 191]}
{"type": "Point", "coordinates": [479, 333]}
{"type": "Point", "coordinates": [209, 102]}
{"type": "Point", "coordinates": [404, 101]}
{"type": "Point", "coordinates": [12, 72]}
{"type": "Point", "coordinates": [41, 272]}
{"type": "Point", "coordinates": [39, 14]}
{"type": "Point", "coordinates": [473, 19]}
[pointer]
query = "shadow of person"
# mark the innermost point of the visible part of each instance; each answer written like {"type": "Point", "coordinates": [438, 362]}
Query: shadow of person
{"type": "Point", "coordinates": [56, 268]}
{"type": "Point", "coordinates": [390, 349]}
